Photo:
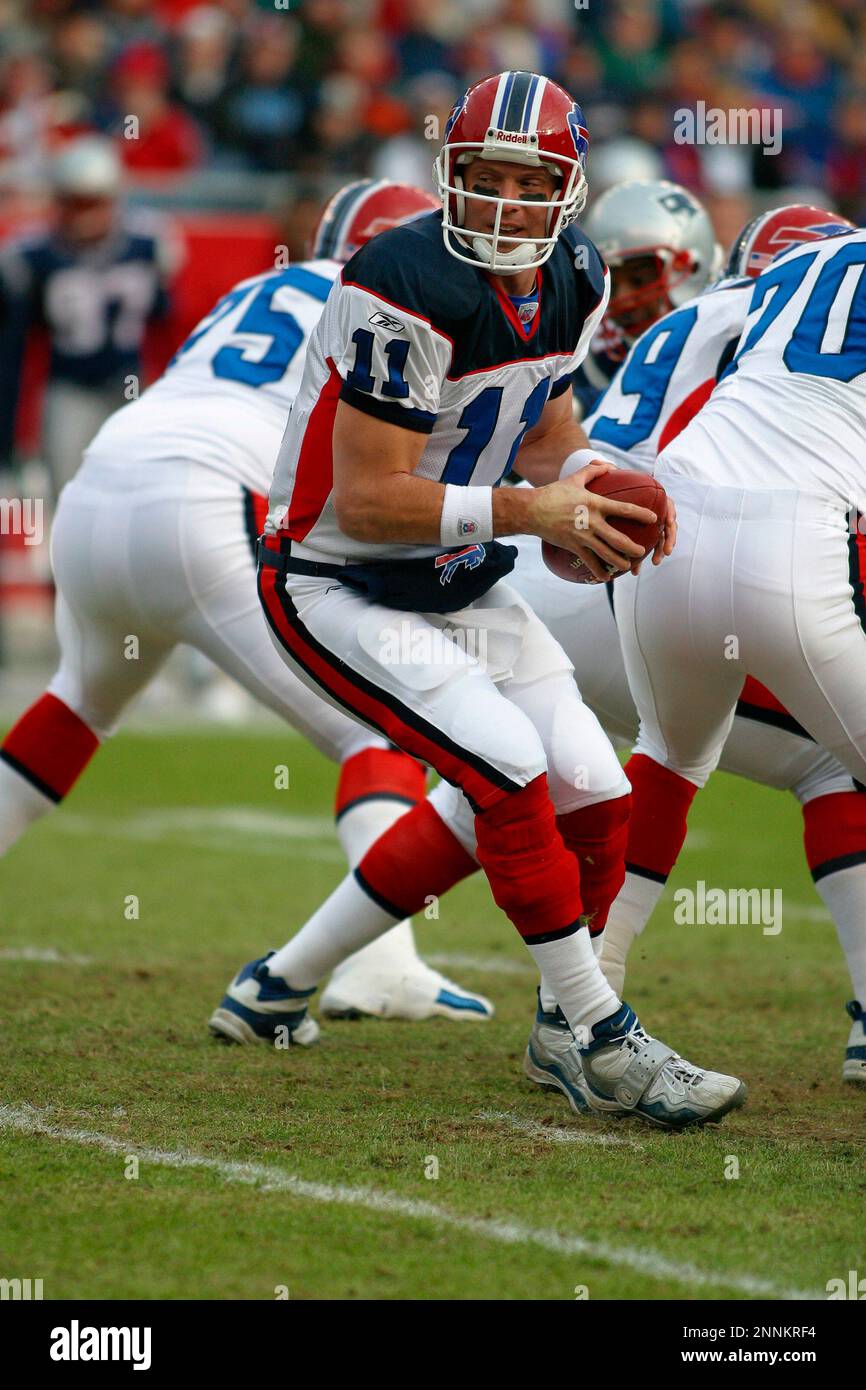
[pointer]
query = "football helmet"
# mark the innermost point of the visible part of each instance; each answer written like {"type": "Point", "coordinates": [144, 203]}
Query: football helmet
{"type": "Point", "coordinates": [771, 233]}
{"type": "Point", "coordinates": [361, 210]}
{"type": "Point", "coordinates": [522, 118]}
{"type": "Point", "coordinates": [657, 219]}
{"type": "Point", "coordinates": [87, 167]}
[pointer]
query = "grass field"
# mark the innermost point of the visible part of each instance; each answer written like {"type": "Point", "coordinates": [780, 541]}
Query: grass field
{"type": "Point", "coordinates": [304, 1172]}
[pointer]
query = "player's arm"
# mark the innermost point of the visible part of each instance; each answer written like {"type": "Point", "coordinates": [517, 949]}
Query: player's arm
{"type": "Point", "coordinates": [377, 498]}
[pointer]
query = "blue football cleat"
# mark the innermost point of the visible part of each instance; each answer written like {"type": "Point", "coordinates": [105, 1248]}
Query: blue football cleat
{"type": "Point", "coordinates": [260, 1007]}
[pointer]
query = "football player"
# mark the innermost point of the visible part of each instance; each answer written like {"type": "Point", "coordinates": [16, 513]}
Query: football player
{"type": "Point", "coordinates": [154, 541]}
{"type": "Point", "coordinates": [659, 246]}
{"type": "Point", "coordinates": [94, 280]}
{"type": "Point", "coordinates": [769, 477]}
{"type": "Point", "coordinates": [423, 384]}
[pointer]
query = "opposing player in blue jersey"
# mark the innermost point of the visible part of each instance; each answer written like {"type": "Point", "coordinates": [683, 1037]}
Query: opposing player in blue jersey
{"type": "Point", "coordinates": [155, 538]}
{"type": "Point", "coordinates": [94, 281]}
{"type": "Point", "coordinates": [423, 384]}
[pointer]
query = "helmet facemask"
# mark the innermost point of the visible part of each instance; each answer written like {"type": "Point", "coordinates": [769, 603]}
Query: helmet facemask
{"type": "Point", "coordinates": [496, 251]}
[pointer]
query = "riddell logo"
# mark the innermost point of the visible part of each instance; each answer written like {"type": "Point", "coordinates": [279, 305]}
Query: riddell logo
{"type": "Point", "coordinates": [512, 137]}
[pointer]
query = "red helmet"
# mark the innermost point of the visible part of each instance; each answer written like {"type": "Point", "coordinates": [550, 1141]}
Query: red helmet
{"type": "Point", "coordinates": [766, 236]}
{"type": "Point", "coordinates": [361, 210]}
{"type": "Point", "coordinates": [525, 119]}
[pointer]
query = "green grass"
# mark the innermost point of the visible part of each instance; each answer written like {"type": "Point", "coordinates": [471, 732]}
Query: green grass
{"type": "Point", "coordinates": [116, 1046]}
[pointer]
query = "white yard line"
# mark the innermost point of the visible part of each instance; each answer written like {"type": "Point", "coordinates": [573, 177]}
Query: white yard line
{"type": "Point", "coordinates": [42, 955]}
{"type": "Point", "coordinates": [245, 830]}
{"type": "Point", "coordinates": [485, 965]}
{"type": "Point", "coordinates": [26, 1119]}
{"type": "Point", "coordinates": [555, 1135]}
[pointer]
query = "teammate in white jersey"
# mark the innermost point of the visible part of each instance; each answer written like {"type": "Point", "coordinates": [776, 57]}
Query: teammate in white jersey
{"type": "Point", "coordinates": [767, 578]}
{"type": "Point", "coordinates": [155, 539]}
{"type": "Point", "coordinates": [423, 385]}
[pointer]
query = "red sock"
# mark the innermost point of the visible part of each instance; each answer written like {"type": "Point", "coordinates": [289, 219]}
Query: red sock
{"type": "Point", "coordinates": [835, 832]}
{"type": "Point", "coordinates": [659, 811]}
{"type": "Point", "coordinates": [598, 835]}
{"type": "Point", "coordinates": [50, 746]}
{"type": "Point", "coordinates": [416, 860]}
{"type": "Point", "coordinates": [533, 877]}
{"type": "Point", "coordinates": [382, 773]}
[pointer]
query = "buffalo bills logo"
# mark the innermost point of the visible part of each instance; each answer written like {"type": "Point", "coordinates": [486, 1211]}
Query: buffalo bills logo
{"type": "Point", "coordinates": [455, 112]}
{"type": "Point", "coordinates": [579, 133]}
{"type": "Point", "coordinates": [450, 562]}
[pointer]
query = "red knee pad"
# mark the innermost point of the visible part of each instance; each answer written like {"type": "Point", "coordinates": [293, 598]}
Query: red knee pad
{"type": "Point", "coordinates": [50, 746]}
{"type": "Point", "coordinates": [533, 877]}
{"type": "Point", "coordinates": [597, 835]}
{"type": "Point", "coordinates": [834, 832]}
{"type": "Point", "coordinates": [659, 812]}
{"type": "Point", "coordinates": [416, 860]}
{"type": "Point", "coordinates": [384, 773]}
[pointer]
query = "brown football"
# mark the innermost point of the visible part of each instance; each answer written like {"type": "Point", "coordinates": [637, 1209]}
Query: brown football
{"type": "Point", "coordinates": [626, 485]}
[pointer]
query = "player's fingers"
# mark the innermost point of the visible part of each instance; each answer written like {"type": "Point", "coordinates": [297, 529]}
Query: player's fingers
{"type": "Point", "coordinates": [593, 563]}
{"type": "Point", "coordinates": [613, 507]}
{"type": "Point", "coordinates": [668, 538]}
{"type": "Point", "coordinates": [632, 550]}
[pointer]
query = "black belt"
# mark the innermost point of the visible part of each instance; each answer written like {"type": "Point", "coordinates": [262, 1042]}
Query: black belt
{"type": "Point", "coordinates": [283, 561]}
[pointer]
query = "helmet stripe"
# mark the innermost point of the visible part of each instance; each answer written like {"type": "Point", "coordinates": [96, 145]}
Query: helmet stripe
{"type": "Point", "coordinates": [345, 202]}
{"type": "Point", "coordinates": [516, 104]}
{"type": "Point", "coordinates": [535, 104]}
{"type": "Point", "coordinates": [503, 92]}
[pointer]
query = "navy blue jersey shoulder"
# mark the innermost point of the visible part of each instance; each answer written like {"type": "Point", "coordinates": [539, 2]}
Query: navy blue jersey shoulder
{"type": "Point", "coordinates": [411, 268]}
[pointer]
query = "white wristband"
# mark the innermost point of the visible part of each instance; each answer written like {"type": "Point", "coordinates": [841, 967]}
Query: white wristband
{"type": "Point", "coordinates": [467, 515]}
{"type": "Point", "coordinates": [579, 459]}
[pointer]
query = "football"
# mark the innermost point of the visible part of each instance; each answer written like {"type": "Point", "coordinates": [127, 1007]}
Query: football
{"type": "Point", "coordinates": [628, 486]}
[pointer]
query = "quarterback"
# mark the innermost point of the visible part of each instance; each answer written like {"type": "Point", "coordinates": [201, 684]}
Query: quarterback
{"type": "Point", "coordinates": [444, 354]}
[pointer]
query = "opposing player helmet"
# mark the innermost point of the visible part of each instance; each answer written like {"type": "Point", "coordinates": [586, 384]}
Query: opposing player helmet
{"type": "Point", "coordinates": [771, 233]}
{"type": "Point", "coordinates": [361, 210]}
{"type": "Point", "coordinates": [88, 167]}
{"type": "Point", "coordinates": [653, 218]}
{"type": "Point", "coordinates": [521, 118]}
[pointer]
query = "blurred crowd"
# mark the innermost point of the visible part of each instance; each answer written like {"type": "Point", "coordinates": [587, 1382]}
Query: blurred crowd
{"type": "Point", "coordinates": [333, 87]}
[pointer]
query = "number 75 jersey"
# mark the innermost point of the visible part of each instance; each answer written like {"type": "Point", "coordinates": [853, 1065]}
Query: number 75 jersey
{"type": "Point", "coordinates": [789, 412]}
{"type": "Point", "coordinates": [415, 338]}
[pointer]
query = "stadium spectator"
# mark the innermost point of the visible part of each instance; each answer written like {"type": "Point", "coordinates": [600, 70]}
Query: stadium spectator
{"type": "Point", "coordinates": [262, 114]}
{"type": "Point", "coordinates": [158, 136]}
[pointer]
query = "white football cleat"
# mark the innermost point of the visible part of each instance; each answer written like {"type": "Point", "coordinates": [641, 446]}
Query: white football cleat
{"type": "Point", "coordinates": [413, 992]}
{"type": "Point", "coordinates": [854, 1067]}
{"type": "Point", "coordinates": [627, 1071]}
{"type": "Point", "coordinates": [552, 1059]}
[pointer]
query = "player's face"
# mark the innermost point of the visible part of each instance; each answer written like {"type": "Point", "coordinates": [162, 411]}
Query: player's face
{"type": "Point", "coordinates": [637, 298]}
{"type": "Point", "coordinates": [521, 184]}
{"type": "Point", "coordinates": [83, 220]}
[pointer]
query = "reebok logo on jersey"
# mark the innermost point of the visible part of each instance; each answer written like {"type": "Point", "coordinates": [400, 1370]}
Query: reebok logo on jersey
{"type": "Point", "coordinates": [380, 320]}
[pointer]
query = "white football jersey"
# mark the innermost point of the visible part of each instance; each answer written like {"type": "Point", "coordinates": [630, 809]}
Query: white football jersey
{"type": "Point", "coordinates": [789, 411]}
{"type": "Point", "coordinates": [224, 398]}
{"type": "Point", "coordinates": [415, 338]}
{"type": "Point", "coordinates": [667, 376]}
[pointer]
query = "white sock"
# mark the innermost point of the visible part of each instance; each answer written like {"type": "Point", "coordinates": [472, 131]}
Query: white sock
{"type": "Point", "coordinates": [347, 920]}
{"type": "Point", "coordinates": [394, 952]}
{"type": "Point", "coordinates": [573, 978]}
{"type": "Point", "coordinates": [20, 805]}
{"type": "Point", "coordinates": [844, 894]}
{"type": "Point", "coordinates": [629, 914]}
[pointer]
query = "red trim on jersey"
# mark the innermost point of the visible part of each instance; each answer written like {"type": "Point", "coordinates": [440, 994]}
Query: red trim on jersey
{"type": "Point", "coordinates": [686, 412]}
{"type": "Point", "coordinates": [340, 681]}
{"type": "Point", "coordinates": [413, 313]}
{"type": "Point", "coordinates": [314, 476]}
{"type": "Point", "coordinates": [509, 310]}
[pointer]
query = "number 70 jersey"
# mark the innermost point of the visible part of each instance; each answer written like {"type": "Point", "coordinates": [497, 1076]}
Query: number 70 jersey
{"type": "Point", "coordinates": [789, 412]}
{"type": "Point", "coordinates": [414, 338]}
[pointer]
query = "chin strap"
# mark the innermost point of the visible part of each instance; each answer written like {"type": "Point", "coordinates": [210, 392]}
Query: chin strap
{"type": "Point", "coordinates": [517, 257]}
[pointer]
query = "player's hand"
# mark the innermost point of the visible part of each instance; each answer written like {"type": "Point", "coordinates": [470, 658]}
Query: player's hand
{"type": "Point", "coordinates": [668, 538]}
{"type": "Point", "coordinates": [567, 514]}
